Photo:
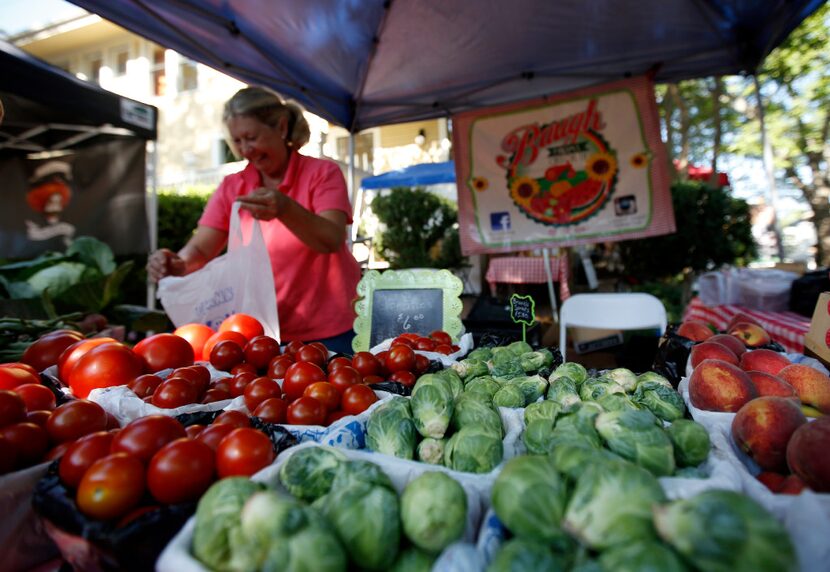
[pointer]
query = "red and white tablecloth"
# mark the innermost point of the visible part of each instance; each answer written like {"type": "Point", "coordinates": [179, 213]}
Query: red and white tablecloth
{"type": "Point", "coordinates": [528, 270]}
{"type": "Point", "coordinates": [786, 328]}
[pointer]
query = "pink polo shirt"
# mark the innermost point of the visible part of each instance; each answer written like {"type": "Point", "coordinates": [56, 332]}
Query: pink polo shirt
{"type": "Point", "coordinates": [314, 291]}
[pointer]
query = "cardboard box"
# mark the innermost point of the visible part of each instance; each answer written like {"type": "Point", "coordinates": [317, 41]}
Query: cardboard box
{"type": "Point", "coordinates": [586, 340]}
{"type": "Point", "coordinates": [817, 340]}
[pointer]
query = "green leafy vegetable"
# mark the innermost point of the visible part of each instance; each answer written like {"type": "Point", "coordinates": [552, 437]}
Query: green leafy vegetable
{"type": "Point", "coordinates": [433, 511]}
{"type": "Point", "coordinates": [691, 442]}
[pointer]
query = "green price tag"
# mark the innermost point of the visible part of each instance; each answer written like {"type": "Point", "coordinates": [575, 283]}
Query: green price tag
{"type": "Point", "coordinates": [522, 311]}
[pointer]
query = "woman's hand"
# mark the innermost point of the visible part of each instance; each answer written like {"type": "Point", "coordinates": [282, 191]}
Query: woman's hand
{"type": "Point", "coordinates": [164, 262]}
{"type": "Point", "coordinates": [263, 204]}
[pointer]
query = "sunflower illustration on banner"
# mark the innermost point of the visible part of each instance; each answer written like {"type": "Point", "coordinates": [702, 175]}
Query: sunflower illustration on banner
{"type": "Point", "coordinates": [583, 167]}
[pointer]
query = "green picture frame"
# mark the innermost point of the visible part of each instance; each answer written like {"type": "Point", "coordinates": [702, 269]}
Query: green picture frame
{"type": "Point", "coordinates": [423, 284]}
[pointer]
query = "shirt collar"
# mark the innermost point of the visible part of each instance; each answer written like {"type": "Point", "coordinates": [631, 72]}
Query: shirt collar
{"type": "Point", "coordinates": [252, 178]}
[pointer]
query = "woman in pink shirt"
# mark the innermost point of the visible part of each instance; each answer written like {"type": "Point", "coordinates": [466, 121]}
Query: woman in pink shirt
{"type": "Point", "coordinates": [304, 208]}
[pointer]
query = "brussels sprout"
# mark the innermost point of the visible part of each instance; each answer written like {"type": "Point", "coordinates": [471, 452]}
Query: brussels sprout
{"type": "Point", "coordinates": [562, 390]}
{"type": "Point", "coordinates": [470, 411]}
{"type": "Point", "coordinates": [542, 410]}
{"type": "Point", "coordinates": [366, 518]}
{"type": "Point", "coordinates": [634, 436]}
{"type": "Point", "coordinates": [663, 401]}
{"type": "Point", "coordinates": [616, 402]}
{"type": "Point", "coordinates": [571, 458]}
{"type": "Point", "coordinates": [473, 450]}
{"type": "Point", "coordinates": [432, 405]}
{"type": "Point", "coordinates": [217, 514]}
{"type": "Point", "coordinates": [356, 471]}
{"type": "Point", "coordinates": [698, 472]}
{"type": "Point", "coordinates": [470, 368]}
{"type": "Point", "coordinates": [483, 354]}
{"type": "Point", "coordinates": [611, 505]}
{"type": "Point", "coordinates": [390, 429]}
{"type": "Point", "coordinates": [432, 450]}
{"type": "Point", "coordinates": [533, 387]}
{"type": "Point", "coordinates": [518, 348]}
{"type": "Point", "coordinates": [313, 548]}
{"type": "Point", "coordinates": [726, 531]}
{"type": "Point", "coordinates": [653, 376]}
{"type": "Point", "coordinates": [484, 384]}
{"type": "Point", "coordinates": [267, 515]}
{"type": "Point", "coordinates": [413, 559]}
{"type": "Point", "coordinates": [538, 436]}
{"type": "Point", "coordinates": [578, 425]}
{"type": "Point", "coordinates": [529, 497]}
{"type": "Point", "coordinates": [575, 371]}
{"type": "Point", "coordinates": [691, 442]}
{"type": "Point", "coordinates": [308, 473]}
{"type": "Point", "coordinates": [591, 390]}
{"type": "Point", "coordinates": [456, 385]}
{"type": "Point", "coordinates": [433, 511]}
{"type": "Point", "coordinates": [623, 377]}
{"type": "Point", "coordinates": [534, 361]}
{"type": "Point", "coordinates": [509, 396]}
{"type": "Point", "coordinates": [643, 556]}
{"type": "Point", "coordinates": [525, 554]}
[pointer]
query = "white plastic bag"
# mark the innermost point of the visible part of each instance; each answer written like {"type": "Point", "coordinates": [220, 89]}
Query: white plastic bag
{"type": "Point", "coordinates": [238, 281]}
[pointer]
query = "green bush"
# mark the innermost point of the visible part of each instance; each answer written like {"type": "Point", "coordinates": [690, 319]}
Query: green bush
{"type": "Point", "coordinates": [178, 214]}
{"type": "Point", "coordinates": [420, 229]}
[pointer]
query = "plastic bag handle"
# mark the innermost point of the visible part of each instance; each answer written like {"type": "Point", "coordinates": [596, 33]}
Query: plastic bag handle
{"type": "Point", "coordinates": [235, 236]}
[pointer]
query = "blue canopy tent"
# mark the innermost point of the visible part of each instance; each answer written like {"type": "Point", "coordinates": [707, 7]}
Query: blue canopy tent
{"type": "Point", "coordinates": [414, 176]}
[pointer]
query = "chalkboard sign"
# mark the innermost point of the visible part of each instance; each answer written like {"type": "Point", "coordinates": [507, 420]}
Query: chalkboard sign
{"type": "Point", "coordinates": [399, 301]}
{"type": "Point", "coordinates": [522, 309]}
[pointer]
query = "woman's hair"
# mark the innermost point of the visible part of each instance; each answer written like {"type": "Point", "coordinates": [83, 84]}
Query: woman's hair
{"type": "Point", "coordinates": [268, 107]}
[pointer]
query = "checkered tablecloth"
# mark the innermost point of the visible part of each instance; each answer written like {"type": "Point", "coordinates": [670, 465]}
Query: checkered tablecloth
{"type": "Point", "coordinates": [786, 328]}
{"type": "Point", "coordinates": [528, 270]}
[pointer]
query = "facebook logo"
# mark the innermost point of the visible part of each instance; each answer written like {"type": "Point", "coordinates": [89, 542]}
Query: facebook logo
{"type": "Point", "coordinates": [500, 221]}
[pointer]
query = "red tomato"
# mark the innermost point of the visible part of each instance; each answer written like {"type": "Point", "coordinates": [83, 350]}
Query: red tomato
{"type": "Point", "coordinates": [112, 422]}
{"type": "Point", "coordinates": [411, 336]}
{"type": "Point", "coordinates": [12, 408]}
{"type": "Point", "coordinates": [444, 349]}
{"type": "Point", "coordinates": [196, 335]}
{"type": "Point", "coordinates": [193, 431]}
{"type": "Point", "coordinates": [278, 366]}
{"type": "Point", "coordinates": [57, 451]}
{"type": "Point", "coordinates": [381, 357]}
{"type": "Point", "coordinates": [175, 392]}
{"type": "Point", "coordinates": [300, 375]}
{"type": "Point", "coordinates": [38, 417]}
{"type": "Point", "coordinates": [226, 354]}
{"type": "Point", "coordinates": [164, 351]}
{"type": "Point", "coordinates": [30, 440]}
{"type": "Point", "coordinates": [180, 471]}
{"type": "Point", "coordinates": [246, 325]}
{"type": "Point", "coordinates": [334, 416]}
{"type": "Point", "coordinates": [70, 356]}
{"type": "Point", "coordinates": [337, 362]}
{"type": "Point", "coordinates": [310, 354]}
{"type": "Point", "coordinates": [344, 376]}
{"type": "Point", "coordinates": [357, 399]}
{"type": "Point", "coordinates": [441, 337]}
{"type": "Point", "coordinates": [244, 367]}
{"type": "Point", "coordinates": [369, 379]}
{"type": "Point", "coordinates": [292, 347]}
{"type": "Point", "coordinates": [215, 394]}
{"type": "Point", "coordinates": [425, 344]}
{"type": "Point", "coordinates": [80, 455]}
{"type": "Point", "coordinates": [400, 358]}
{"type": "Point", "coordinates": [405, 377]}
{"type": "Point", "coordinates": [145, 385]}
{"type": "Point", "coordinates": [13, 376]}
{"type": "Point", "coordinates": [146, 435]}
{"type": "Point", "coordinates": [421, 363]}
{"type": "Point", "coordinates": [399, 341]}
{"type": "Point", "coordinates": [8, 456]}
{"type": "Point", "coordinates": [104, 366]}
{"type": "Point", "coordinates": [220, 337]}
{"type": "Point", "coordinates": [213, 434]}
{"type": "Point", "coordinates": [366, 363]}
{"type": "Point", "coordinates": [243, 452]}
{"type": "Point", "coordinates": [36, 396]}
{"type": "Point", "coordinates": [111, 487]}
{"type": "Point", "coordinates": [324, 392]}
{"type": "Point", "coordinates": [47, 349]}
{"type": "Point", "coordinates": [306, 411]}
{"type": "Point", "coordinates": [455, 348]}
{"type": "Point", "coordinates": [198, 374]}
{"type": "Point", "coordinates": [259, 390]}
{"type": "Point", "coordinates": [75, 419]}
{"type": "Point", "coordinates": [322, 347]}
{"type": "Point", "coordinates": [272, 410]}
{"type": "Point", "coordinates": [21, 365]}
{"type": "Point", "coordinates": [261, 350]}
{"type": "Point", "coordinates": [232, 417]}
{"type": "Point", "coordinates": [238, 383]}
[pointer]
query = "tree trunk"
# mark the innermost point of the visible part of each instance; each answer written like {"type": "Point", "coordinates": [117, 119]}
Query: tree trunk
{"type": "Point", "coordinates": [683, 155]}
{"type": "Point", "coordinates": [716, 118]}
{"type": "Point", "coordinates": [818, 198]}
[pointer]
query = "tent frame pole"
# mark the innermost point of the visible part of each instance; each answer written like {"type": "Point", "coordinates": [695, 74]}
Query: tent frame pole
{"type": "Point", "coordinates": [153, 216]}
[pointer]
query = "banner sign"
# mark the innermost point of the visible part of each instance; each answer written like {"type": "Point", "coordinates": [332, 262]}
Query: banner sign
{"type": "Point", "coordinates": [582, 167]}
{"type": "Point", "coordinates": [97, 190]}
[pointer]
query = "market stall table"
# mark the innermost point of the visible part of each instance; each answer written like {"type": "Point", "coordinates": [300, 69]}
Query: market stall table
{"type": "Point", "coordinates": [527, 270]}
{"type": "Point", "coordinates": [786, 328]}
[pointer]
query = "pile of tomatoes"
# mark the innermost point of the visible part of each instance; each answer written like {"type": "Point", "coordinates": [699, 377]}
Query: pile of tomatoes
{"type": "Point", "coordinates": [155, 460]}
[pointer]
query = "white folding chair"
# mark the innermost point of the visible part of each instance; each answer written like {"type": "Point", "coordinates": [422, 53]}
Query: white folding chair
{"type": "Point", "coordinates": [615, 311]}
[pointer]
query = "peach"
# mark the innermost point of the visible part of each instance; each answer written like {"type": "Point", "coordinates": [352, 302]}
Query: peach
{"type": "Point", "coordinates": [807, 454]}
{"type": "Point", "coordinates": [737, 346]}
{"type": "Point", "coordinates": [793, 485]}
{"type": "Point", "coordinates": [741, 317]}
{"type": "Point", "coordinates": [763, 427]}
{"type": "Point", "coordinates": [811, 385]}
{"type": "Point", "coordinates": [773, 481]}
{"type": "Point", "coordinates": [771, 385]}
{"type": "Point", "coordinates": [711, 350]}
{"type": "Point", "coordinates": [752, 335]}
{"type": "Point", "coordinates": [768, 361]}
{"type": "Point", "coordinates": [717, 385]}
{"type": "Point", "coordinates": [695, 330]}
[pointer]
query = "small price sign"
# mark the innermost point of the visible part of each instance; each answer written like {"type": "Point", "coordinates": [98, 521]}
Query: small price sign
{"type": "Point", "coordinates": [523, 311]}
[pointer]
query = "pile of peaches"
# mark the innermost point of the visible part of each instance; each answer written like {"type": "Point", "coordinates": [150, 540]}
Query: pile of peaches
{"type": "Point", "coordinates": [772, 399]}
